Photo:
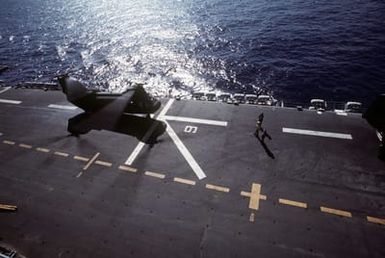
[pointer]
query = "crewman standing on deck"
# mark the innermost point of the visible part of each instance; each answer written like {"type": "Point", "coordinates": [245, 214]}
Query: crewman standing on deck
{"type": "Point", "coordinates": [258, 125]}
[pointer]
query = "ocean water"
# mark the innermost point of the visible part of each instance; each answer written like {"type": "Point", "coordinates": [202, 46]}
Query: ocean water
{"type": "Point", "coordinates": [297, 49]}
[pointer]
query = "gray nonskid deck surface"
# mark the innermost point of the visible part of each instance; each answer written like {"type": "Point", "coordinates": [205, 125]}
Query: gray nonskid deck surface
{"type": "Point", "coordinates": [313, 196]}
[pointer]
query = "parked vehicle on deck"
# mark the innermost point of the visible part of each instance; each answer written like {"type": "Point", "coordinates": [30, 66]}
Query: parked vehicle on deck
{"type": "Point", "coordinates": [211, 96]}
{"type": "Point", "coordinates": [265, 100]}
{"type": "Point", "coordinates": [353, 107]}
{"type": "Point", "coordinates": [239, 98]}
{"type": "Point", "coordinates": [318, 104]}
{"type": "Point", "coordinates": [224, 97]}
{"type": "Point", "coordinates": [199, 95]}
{"type": "Point", "coordinates": [251, 99]}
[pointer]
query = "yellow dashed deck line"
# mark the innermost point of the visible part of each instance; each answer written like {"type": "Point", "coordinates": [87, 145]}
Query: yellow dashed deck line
{"type": "Point", "coordinates": [184, 181]}
{"type": "Point", "coordinates": [153, 174]}
{"type": "Point", "coordinates": [375, 220]}
{"type": "Point", "coordinates": [336, 212]}
{"type": "Point", "coordinates": [8, 207]}
{"type": "Point", "coordinates": [62, 154]}
{"type": "Point", "coordinates": [103, 163]}
{"type": "Point", "coordinates": [129, 169]}
{"type": "Point", "coordinates": [293, 203]}
{"type": "Point", "coordinates": [81, 158]}
{"type": "Point", "coordinates": [25, 146]}
{"type": "Point", "coordinates": [42, 149]}
{"type": "Point", "coordinates": [247, 194]}
{"type": "Point", "coordinates": [218, 188]}
{"type": "Point", "coordinates": [4, 206]}
{"type": "Point", "coordinates": [9, 142]}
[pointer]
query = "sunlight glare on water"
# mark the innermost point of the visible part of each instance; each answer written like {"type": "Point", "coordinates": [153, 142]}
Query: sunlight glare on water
{"type": "Point", "coordinates": [297, 49]}
{"type": "Point", "coordinates": [136, 42]}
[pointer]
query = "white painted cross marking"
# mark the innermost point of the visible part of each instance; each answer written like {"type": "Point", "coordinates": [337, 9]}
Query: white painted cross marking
{"type": "Point", "coordinates": [140, 145]}
{"type": "Point", "coordinates": [181, 147]}
{"type": "Point", "coordinates": [134, 154]}
{"type": "Point", "coordinates": [190, 129]}
{"type": "Point", "coordinates": [10, 101]}
{"type": "Point", "coordinates": [4, 90]}
{"type": "Point", "coordinates": [195, 120]}
{"type": "Point", "coordinates": [318, 133]}
{"type": "Point", "coordinates": [91, 161]}
{"type": "Point", "coordinates": [379, 135]}
{"type": "Point", "coordinates": [185, 152]}
{"type": "Point", "coordinates": [62, 107]}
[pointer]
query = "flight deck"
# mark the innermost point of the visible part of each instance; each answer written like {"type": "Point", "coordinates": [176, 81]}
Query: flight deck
{"type": "Point", "coordinates": [207, 188]}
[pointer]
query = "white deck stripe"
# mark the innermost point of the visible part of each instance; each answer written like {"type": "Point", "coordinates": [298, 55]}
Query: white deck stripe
{"type": "Point", "coordinates": [91, 161]}
{"type": "Point", "coordinates": [318, 133]}
{"type": "Point", "coordinates": [195, 120]}
{"type": "Point", "coordinates": [4, 90]}
{"type": "Point", "coordinates": [185, 152]}
{"type": "Point", "coordinates": [62, 107]}
{"type": "Point", "coordinates": [166, 108]}
{"type": "Point", "coordinates": [134, 154]}
{"type": "Point", "coordinates": [10, 101]}
{"type": "Point", "coordinates": [182, 148]}
{"type": "Point", "coordinates": [1, 134]}
{"type": "Point", "coordinates": [140, 145]}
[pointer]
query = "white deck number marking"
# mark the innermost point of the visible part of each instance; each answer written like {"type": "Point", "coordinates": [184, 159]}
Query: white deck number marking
{"type": "Point", "coordinates": [179, 144]}
{"type": "Point", "coordinates": [190, 129]}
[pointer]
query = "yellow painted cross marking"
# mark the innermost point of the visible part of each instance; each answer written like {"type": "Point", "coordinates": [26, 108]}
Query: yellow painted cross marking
{"type": "Point", "coordinates": [129, 169]}
{"type": "Point", "coordinates": [184, 181]}
{"type": "Point", "coordinates": [81, 158]}
{"type": "Point", "coordinates": [9, 142]}
{"type": "Point", "coordinates": [254, 196]}
{"type": "Point", "coordinates": [25, 146]}
{"type": "Point", "coordinates": [42, 150]}
{"type": "Point", "coordinates": [103, 163]}
{"type": "Point", "coordinates": [375, 220]}
{"type": "Point", "coordinates": [58, 153]}
{"type": "Point", "coordinates": [247, 194]}
{"type": "Point", "coordinates": [218, 188]}
{"type": "Point", "coordinates": [252, 217]}
{"type": "Point", "coordinates": [293, 203]}
{"type": "Point", "coordinates": [91, 161]}
{"type": "Point", "coordinates": [336, 212]}
{"type": "Point", "coordinates": [153, 174]}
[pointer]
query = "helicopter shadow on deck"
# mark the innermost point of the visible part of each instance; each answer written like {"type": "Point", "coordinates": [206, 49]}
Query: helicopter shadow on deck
{"type": "Point", "coordinates": [145, 129]}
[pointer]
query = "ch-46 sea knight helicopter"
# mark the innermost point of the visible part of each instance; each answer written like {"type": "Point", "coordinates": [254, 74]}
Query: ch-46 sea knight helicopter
{"type": "Point", "coordinates": [118, 112]}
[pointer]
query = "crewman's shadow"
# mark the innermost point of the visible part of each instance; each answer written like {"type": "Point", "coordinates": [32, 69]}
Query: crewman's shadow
{"type": "Point", "coordinates": [267, 150]}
